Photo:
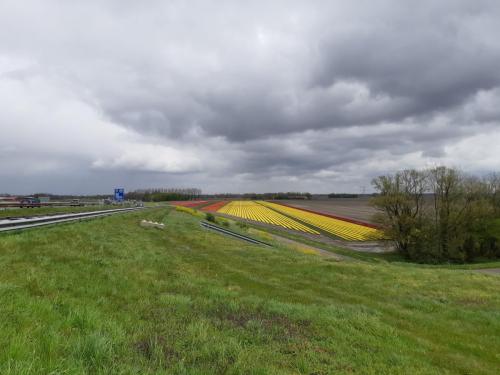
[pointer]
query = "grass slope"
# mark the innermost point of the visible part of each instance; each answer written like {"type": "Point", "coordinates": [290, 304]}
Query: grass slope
{"type": "Point", "coordinates": [392, 257]}
{"type": "Point", "coordinates": [109, 297]}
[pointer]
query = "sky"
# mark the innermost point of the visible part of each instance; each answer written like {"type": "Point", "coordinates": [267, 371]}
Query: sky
{"type": "Point", "coordinates": [244, 96]}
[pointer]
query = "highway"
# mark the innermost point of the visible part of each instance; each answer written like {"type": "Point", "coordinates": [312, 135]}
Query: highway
{"type": "Point", "coordinates": [22, 223]}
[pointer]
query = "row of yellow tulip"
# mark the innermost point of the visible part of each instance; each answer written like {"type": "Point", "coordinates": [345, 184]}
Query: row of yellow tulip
{"type": "Point", "coordinates": [340, 228]}
{"type": "Point", "coordinates": [252, 210]}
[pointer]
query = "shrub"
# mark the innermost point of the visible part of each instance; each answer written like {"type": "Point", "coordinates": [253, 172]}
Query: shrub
{"type": "Point", "coordinates": [242, 225]}
{"type": "Point", "coordinates": [188, 210]}
{"type": "Point", "coordinates": [210, 217]}
{"type": "Point", "coordinates": [223, 222]}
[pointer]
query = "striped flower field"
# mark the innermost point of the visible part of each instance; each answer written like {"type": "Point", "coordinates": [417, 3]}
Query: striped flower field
{"type": "Point", "coordinates": [214, 207]}
{"type": "Point", "coordinates": [252, 210]}
{"type": "Point", "coordinates": [339, 228]}
{"type": "Point", "coordinates": [300, 220]}
{"type": "Point", "coordinates": [289, 217]}
{"type": "Point", "coordinates": [188, 203]}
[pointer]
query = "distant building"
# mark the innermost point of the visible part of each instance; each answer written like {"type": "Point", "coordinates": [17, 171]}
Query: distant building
{"type": "Point", "coordinates": [8, 199]}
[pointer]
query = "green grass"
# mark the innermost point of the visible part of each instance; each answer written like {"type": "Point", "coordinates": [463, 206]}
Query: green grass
{"type": "Point", "coordinates": [37, 211]}
{"type": "Point", "coordinates": [110, 297]}
{"type": "Point", "coordinates": [358, 255]}
{"type": "Point", "coordinates": [387, 257]}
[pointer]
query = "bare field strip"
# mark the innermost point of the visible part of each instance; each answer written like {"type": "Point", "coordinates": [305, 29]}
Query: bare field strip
{"type": "Point", "coordinates": [349, 208]}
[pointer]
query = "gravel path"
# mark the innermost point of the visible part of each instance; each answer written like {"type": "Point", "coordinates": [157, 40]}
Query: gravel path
{"type": "Point", "coordinates": [491, 271]}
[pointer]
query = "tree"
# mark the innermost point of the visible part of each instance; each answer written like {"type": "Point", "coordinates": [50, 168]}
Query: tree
{"type": "Point", "coordinates": [461, 213]}
{"type": "Point", "coordinates": [447, 192]}
{"type": "Point", "coordinates": [492, 182]}
{"type": "Point", "coordinates": [439, 214]}
{"type": "Point", "coordinates": [400, 200]}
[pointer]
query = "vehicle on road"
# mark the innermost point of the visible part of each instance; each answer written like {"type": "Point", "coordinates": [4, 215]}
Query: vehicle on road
{"type": "Point", "coordinates": [30, 202]}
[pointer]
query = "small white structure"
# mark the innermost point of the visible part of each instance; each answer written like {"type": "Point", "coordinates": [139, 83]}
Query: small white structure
{"type": "Point", "coordinates": [152, 224]}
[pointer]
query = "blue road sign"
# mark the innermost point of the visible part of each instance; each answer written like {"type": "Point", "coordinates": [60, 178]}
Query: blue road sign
{"type": "Point", "coordinates": [119, 194]}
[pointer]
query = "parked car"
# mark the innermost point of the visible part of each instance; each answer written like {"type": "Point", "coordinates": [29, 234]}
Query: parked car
{"type": "Point", "coordinates": [30, 202]}
{"type": "Point", "coordinates": [75, 202]}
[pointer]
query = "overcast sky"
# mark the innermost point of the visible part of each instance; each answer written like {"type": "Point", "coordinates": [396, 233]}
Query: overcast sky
{"type": "Point", "coordinates": [244, 96]}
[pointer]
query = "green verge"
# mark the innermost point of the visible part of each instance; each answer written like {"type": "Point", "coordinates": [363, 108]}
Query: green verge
{"type": "Point", "coordinates": [40, 211]}
{"type": "Point", "coordinates": [110, 297]}
{"type": "Point", "coordinates": [391, 257]}
{"type": "Point", "coordinates": [358, 255]}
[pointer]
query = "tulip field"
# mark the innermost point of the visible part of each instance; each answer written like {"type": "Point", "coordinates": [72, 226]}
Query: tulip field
{"type": "Point", "coordinates": [252, 210]}
{"type": "Point", "coordinates": [340, 228]}
{"type": "Point", "coordinates": [214, 206]}
{"type": "Point", "coordinates": [300, 220]}
{"type": "Point", "coordinates": [294, 218]}
{"type": "Point", "coordinates": [187, 203]}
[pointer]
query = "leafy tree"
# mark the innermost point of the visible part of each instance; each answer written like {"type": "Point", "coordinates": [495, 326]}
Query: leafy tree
{"type": "Point", "coordinates": [400, 200]}
{"type": "Point", "coordinates": [439, 214]}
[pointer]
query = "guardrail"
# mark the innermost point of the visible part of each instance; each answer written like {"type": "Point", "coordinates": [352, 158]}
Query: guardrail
{"type": "Point", "coordinates": [233, 234]}
{"type": "Point", "coordinates": [33, 222]}
{"type": "Point", "coordinates": [46, 204]}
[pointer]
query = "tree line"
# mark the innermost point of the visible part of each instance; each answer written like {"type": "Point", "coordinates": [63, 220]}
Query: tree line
{"type": "Point", "coordinates": [265, 196]}
{"type": "Point", "coordinates": [440, 214]}
{"type": "Point", "coordinates": [342, 195]}
{"type": "Point", "coordinates": [164, 194]}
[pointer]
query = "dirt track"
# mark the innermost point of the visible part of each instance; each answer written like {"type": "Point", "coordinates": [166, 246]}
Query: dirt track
{"type": "Point", "coordinates": [491, 271]}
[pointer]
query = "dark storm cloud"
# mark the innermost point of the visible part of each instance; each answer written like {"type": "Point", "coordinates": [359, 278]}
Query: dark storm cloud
{"type": "Point", "coordinates": [435, 63]}
{"type": "Point", "coordinates": [390, 62]}
{"type": "Point", "coordinates": [258, 95]}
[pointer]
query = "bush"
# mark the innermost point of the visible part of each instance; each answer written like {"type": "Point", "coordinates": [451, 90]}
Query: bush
{"type": "Point", "coordinates": [242, 225]}
{"type": "Point", "coordinates": [188, 210]}
{"type": "Point", "coordinates": [210, 217]}
{"type": "Point", "coordinates": [223, 222]}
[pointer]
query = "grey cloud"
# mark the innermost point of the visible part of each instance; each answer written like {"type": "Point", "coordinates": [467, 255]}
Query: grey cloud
{"type": "Point", "coordinates": [415, 63]}
{"type": "Point", "coordinates": [434, 56]}
{"type": "Point", "coordinates": [287, 92]}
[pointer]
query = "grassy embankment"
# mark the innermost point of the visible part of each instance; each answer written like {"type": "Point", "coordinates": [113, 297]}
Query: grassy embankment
{"type": "Point", "coordinates": [391, 257]}
{"type": "Point", "coordinates": [107, 296]}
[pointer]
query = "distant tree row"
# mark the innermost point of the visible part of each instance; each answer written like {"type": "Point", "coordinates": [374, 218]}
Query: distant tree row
{"type": "Point", "coordinates": [440, 214]}
{"type": "Point", "coordinates": [164, 194]}
{"type": "Point", "coordinates": [342, 195]}
{"type": "Point", "coordinates": [266, 196]}
{"type": "Point", "coordinates": [191, 192]}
